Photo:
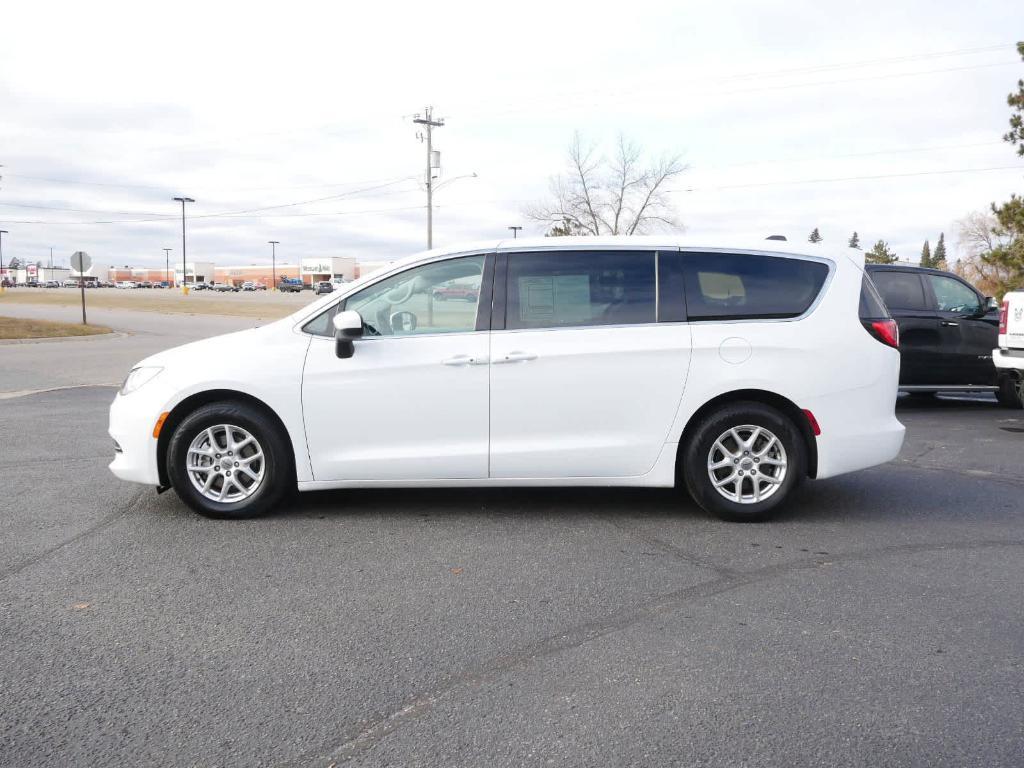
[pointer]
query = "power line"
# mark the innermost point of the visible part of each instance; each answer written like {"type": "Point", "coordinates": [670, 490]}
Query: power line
{"type": "Point", "coordinates": [852, 178]}
{"type": "Point", "coordinates": [634, 89]}
{"type": "Point", "coordinates": [154, 217]}
{"type": "Point", "coordinates": [79, 182]}
{"type": "Point", "coordinates": [871, 153]}
{"type": "Point", "coordinates": [254, 216]}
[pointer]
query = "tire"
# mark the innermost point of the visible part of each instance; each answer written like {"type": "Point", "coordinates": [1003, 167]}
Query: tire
{"type": "Point", "coordinates": [245, 497]}
{"type": "Point", "coordinates": [1011, 391]}
{"type": "Point", "coordinates": [744, 417]}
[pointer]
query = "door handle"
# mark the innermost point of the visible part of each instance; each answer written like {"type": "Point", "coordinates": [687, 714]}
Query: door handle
{"type": "Point", "coordinates": [950, 323]}
{"type": "Point", "coordinates": [464, 360]}
{"type": "Point", "coordinates": [516, 357]}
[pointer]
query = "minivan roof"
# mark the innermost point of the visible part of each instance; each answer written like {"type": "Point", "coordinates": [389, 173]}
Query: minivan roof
{"type": "Point", "coordinates": [641, 241]}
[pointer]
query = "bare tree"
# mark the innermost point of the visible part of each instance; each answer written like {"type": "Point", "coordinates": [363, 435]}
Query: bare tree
{"type": "Point", "coordinates": [978, 235]}
{"type": "Point", "coordinates": [617, 195]}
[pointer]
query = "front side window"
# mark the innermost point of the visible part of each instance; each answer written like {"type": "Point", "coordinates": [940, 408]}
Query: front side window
{"type": "Point", "coordinates": [440, 297]}
{"type": "Point", "coordinates": [953, 296]}
{"type": "Point", "coordinates": [732, 286]}
{"type": "Point", "coordinates": [580, 288]}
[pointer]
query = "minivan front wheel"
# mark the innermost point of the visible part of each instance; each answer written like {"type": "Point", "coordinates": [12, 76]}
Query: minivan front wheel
{"type": "Point", "coordinates": [228, 460]}
{"type": "Point", "coordinates": [743, 460]}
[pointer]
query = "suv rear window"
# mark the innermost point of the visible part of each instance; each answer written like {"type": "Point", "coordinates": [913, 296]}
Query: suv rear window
{"type": "Point", "coordinates": [732, 286]}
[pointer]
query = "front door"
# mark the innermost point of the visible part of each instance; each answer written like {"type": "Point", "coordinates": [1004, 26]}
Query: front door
{"type": "Point", "coordinates": [968, 336]}
{"type": "Point", "coordinates": [584, 381]}
{"type": "Point", "coordinates": [412, 401]}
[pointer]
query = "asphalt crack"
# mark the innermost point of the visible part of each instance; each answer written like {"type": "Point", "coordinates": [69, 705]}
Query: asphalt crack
{"type": "Point", "coordinates": [122, 510]}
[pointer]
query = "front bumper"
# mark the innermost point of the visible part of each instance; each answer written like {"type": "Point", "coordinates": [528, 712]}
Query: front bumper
{"type": "Point", "coordinates": [1008, 358]}
{"type": "Point", "coordinates": [132, 418]}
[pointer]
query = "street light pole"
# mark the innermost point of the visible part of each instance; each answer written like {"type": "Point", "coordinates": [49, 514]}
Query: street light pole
{"type": "Point", "coordinates": [167, 266]}
{"type": "Point", "coordinates": [184, 273]}
{"type": "Point", "coordinates": [273, 263]}
{"type": "Point", "coordinates": [515, 232]}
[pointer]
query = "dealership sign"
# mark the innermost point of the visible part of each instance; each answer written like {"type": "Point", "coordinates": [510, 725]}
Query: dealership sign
{"type": "Point", "coordinates": [31, 270]}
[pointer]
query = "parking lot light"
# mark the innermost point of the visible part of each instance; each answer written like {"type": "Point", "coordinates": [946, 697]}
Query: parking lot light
{"type": "Point", "coordinates": [273, 263]}
{"type": "Point", "coordinates": [184, 271]}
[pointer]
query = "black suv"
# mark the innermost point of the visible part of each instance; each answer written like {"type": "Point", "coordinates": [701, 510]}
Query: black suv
{"type": "Point", "coordinates": [947, 332]}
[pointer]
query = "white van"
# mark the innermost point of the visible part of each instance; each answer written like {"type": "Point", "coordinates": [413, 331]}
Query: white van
{"type": "Point", "coordinates": [737, 370]}
{"type": "Point", "coordinates": [126, 284]}
{"type": "Point", "coordinates": [1009, 354]}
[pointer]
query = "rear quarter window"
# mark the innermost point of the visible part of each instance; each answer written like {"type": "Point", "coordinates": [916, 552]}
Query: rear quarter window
{"type": "Point", "coordinates": [733, 286]}
{"type": "Point", "coordinates": [900, 290]}
{"type": "Point", "coordinates": [871, 305]}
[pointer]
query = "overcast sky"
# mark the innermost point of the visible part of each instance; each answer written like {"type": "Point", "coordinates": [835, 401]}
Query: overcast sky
{"type": "Point", "coordinates": [107, 110]}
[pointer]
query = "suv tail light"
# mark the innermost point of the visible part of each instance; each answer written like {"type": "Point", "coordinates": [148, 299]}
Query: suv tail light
{"type": "Point", "coordinates": [1004, 314]}
{"type": "Point", "coordinates": [886, 331]}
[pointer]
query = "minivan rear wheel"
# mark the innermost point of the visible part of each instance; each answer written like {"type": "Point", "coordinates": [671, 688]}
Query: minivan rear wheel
{"type": "Point", "coordinates": [743, 460]}
{"type": "Point", "coordinates": [228, 460]}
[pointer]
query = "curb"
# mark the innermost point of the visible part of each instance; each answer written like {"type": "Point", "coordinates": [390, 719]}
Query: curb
{"type": "Point", "coordinates": [52, 339]}
{"type": "Point", "coordinates": [27, 392]}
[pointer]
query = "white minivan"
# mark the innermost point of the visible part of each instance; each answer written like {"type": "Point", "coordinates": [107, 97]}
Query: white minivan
{"type": "Point", "coordinates": [735, 370]}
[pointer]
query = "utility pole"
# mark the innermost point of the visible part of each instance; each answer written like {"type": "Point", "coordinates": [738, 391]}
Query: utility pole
{"type": "Point", "coordinates": [51, 261]}
{"type": "Point", "coordinates": [2, 233]}
{"type": "Point", "coordinates": [515, 232]}
{"type": "Point", "coordinates": [428, 121]}
{"type": "Point", "coordinates": [273, 263]}
{"type": "Point", "coordinates": [184, 273]}
{"type": "Point", "coordinates": [167, 266]}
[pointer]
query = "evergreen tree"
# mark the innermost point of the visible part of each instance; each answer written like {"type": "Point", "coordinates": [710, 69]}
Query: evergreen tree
{"type": "Point", "coordinates": [564, 229]}
{"type": "Point", "coordinates": [880, 254]}
{"type": "Point", "coordinates": [15, 263]}
{"type": "Point", "coordinates": [926, 255]}
{"type": "Point", "coordinates": [815, 236]}
{"type": "Point", "coordinates": [1008, 256]}
{"type": "Point", "coordinates": [939, 258]}
{"type": "Point", "coordinates": [854, 241]}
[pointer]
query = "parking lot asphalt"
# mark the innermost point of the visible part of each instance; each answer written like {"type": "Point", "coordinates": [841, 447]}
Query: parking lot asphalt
{"type": "Point", "coordinates": [99, 359]}
{"type": "Point", "coordinates": [876, 622]}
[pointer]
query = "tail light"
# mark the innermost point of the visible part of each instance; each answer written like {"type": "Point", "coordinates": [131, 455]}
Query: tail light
{"type": "Point", "coordinates": [1004, 314]}
{"type": "Point", "coordinates": [886, 331]}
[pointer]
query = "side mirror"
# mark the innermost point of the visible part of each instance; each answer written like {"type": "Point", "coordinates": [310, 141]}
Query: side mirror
{"type": "Point", "coordinates": [991, 302]}
{"type": "Point", "coordinates": [348, 326]}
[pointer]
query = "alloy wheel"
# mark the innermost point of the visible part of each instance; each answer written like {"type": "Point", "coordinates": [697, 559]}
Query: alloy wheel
{"type": "Point", "coordinates": [225, 463]}
{"type": "Point", "coordinates": [747, 464]}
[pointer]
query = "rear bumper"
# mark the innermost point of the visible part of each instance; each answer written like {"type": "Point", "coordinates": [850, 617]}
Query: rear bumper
{"type": "Point", "coordinates": [1008, 358]}
{"type": "Point", "coordinates": [850, 451]}
{"type": "Point", "coordinates": [859, 428]}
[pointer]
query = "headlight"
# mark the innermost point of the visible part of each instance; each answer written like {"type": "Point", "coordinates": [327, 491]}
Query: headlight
{"type": "Point", "coordinates": [137, 377]}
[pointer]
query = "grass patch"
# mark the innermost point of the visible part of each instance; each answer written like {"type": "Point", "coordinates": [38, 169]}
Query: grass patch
{"type": "Point", "coordinates": [264, 305]}
{"type": "Point", "coordinates": [19, 328]}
